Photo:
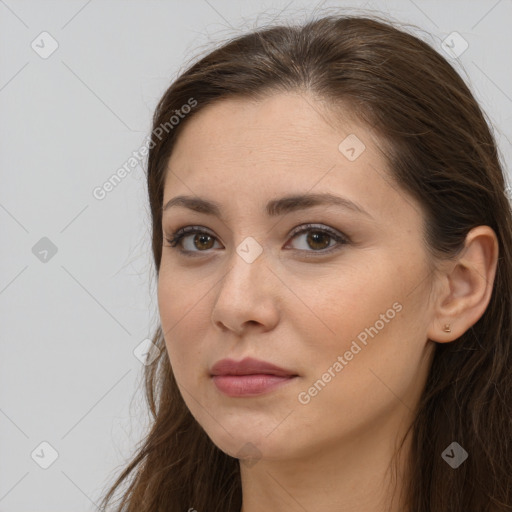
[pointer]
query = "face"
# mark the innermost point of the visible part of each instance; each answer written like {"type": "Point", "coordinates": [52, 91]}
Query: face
{"type": "Point", "coordinates": [335, 293]}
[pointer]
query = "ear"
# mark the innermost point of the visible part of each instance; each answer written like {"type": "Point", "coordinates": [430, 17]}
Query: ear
{"type": "Point", "coordinates": [465, 286]}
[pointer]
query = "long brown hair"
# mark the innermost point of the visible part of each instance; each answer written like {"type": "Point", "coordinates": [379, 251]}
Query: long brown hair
{"type": "Point", "coordinates": [443, 153]}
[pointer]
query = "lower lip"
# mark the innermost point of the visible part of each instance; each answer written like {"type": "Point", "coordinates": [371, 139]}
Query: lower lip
{"type": "Point", "coordinates": [249, 385]}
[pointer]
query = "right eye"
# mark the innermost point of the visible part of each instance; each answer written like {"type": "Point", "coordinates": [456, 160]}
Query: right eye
{"type": "Point", "coordinates": [202, 239]}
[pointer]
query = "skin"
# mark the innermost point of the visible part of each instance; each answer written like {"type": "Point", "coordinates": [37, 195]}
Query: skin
{"type": "Point", "coordinates": [302, 313]}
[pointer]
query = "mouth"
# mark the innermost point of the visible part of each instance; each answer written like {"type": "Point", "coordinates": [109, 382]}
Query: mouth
{"type": "Point", "coordinates": [249, 377]}
{"type": "Point", "coordinates": [249, 385]}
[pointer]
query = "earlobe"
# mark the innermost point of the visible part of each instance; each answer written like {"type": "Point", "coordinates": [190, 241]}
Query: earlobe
{"type": "Point", "coordinates": [468, 285]}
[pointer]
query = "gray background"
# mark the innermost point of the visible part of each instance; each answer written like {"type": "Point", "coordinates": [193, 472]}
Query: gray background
{"type": "Point", "coordinates": [70, 321]}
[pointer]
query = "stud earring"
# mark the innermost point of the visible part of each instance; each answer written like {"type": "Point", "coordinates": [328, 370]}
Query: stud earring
{"type": "Point", "coordinates": [447, 328]}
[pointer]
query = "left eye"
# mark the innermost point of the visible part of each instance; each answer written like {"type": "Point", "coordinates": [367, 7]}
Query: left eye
{"type": "Point", "coordinates": [318, 238]}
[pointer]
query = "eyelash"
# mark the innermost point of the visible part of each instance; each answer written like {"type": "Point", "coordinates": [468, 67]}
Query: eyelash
{"type": "Point", "coordinates": [183, 232]}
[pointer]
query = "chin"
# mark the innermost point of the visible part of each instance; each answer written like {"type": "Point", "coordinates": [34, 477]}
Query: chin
{"type": "Point", "coordinates": [247, 442]}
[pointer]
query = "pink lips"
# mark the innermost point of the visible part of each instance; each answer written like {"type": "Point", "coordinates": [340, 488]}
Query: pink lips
{"type": "Point", "coordinates": [248, 377]}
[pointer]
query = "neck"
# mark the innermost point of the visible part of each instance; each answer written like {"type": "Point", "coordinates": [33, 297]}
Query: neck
{"type": "Point", "coordinates": [362, 473]}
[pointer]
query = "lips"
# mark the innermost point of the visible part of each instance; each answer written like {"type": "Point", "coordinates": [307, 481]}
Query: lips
{"type": "Point", "coordinates": [249, 366]}
{"type": "Point", "coordinates": [249, 377]}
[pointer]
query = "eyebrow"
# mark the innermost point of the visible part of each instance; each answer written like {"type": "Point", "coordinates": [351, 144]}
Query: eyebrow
{"type": "Point", "coordinates": [274, 207]}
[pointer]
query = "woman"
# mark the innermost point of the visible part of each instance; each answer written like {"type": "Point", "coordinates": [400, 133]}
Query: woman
{"type": "Point", "coordinates": [332, 240]}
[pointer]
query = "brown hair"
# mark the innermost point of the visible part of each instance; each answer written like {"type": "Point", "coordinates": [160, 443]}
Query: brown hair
{"type": "Point", "coordinates": [443, 153]}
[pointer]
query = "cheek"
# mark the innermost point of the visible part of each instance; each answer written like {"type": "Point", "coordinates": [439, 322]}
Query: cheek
{"type": "Point", "coordinates": [181, 297]}
{"type": "Point", "coordinates": [180, 304]}
{"type": "Point", "coordinates": [342, 303]}
{"type": "Point", "coordinates": [376, 326]}
{"type": "Point", "coordinates": [364, 317]}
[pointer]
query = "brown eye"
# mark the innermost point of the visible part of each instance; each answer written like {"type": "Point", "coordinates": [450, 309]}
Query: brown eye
{"type": "Point", "coordinates": [194, 240]}
{"type": "Point", "coordinates": [203, 241]}
{"type": "Point", "coordinates": [318, 239]}
{"type": "Point", "coordinates": [200, 242]}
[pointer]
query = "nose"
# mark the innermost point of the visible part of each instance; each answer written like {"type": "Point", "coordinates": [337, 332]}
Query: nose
{"type": "Point", "coordinates": [247, 296]}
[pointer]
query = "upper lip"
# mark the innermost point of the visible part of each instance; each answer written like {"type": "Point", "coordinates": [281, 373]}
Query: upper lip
{"type": "Point", "coordinates": [248, 366]}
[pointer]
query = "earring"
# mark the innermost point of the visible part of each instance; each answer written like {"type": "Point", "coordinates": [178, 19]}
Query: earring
{"type": "Point", "coordinates": [447, 328]}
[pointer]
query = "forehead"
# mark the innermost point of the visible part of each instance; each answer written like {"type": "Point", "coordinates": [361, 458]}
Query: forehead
{"type": "Point", "coordinates": [284, 127]}
{"type": "Point", "coordinates": [282, 144]}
